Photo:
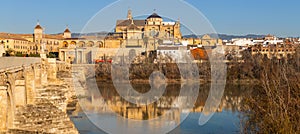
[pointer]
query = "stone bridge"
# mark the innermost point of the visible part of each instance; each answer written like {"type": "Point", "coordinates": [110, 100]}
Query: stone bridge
{"type": "Point", "coordinates": [23, 82]}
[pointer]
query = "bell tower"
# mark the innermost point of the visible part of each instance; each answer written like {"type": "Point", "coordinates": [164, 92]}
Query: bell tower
{"type": "Point", "coordinates": [67, 33]}
{"type": "Point", "coordinates": [129, 14]}
{"type": "Point", "coordinates": [38, 32]}
{"type": "Point", "coordinates": [177, 33]}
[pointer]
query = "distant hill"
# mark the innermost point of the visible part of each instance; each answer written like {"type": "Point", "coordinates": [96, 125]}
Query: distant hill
{"type": "Point", "coordinates": [99, 34]}
{"type": "Point", "coordinates": [229, 37]}
{"type": "Point", "coordinates": [76, 35]}
{"type": "Point", "coordinates": [226, 36]}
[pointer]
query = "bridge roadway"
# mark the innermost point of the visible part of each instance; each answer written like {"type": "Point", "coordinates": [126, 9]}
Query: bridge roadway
{"type": "Point", "coordinates": [13, 62]}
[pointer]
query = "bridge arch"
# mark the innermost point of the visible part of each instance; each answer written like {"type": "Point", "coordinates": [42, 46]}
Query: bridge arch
{"type": "Point", "coordinates": [10, 105]}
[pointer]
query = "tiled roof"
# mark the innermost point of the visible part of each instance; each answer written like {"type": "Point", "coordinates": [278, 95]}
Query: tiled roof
{"type": "Point", "coordinates": [58, 37]}
{"type": "Point", "coordinates": [132, 27]}
{"type": "Point", "coordinates": [38, 27]}
{"type": "Point", "coordinates": [67, 31]}
{"type": "Point", "coordinates": [12, 36]}
{"type": "Point", "coordinates": [128, 22]}
{"type": "Point", "coordinates": [154, 15]}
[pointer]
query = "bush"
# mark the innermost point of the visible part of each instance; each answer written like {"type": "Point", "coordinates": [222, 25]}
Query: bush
{"type": "Point", "coordinates": [34, 55]}
{"type": "Point", "coordinates": [274, 108]}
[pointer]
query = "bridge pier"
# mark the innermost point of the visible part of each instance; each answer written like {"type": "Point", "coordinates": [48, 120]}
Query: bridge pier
{"type": "Point", "coordinates": [52, 71]}
{"type": "Point", "coordinates": [30, 86]}
{"type": "Point", "coordinates": [3, 107]}
{"type": "Point", "coordinates": [20, 93]}
{"type": "Point", "coordinates": [37, 75]}
{"type": "Point", "coordinates": [44, 75]}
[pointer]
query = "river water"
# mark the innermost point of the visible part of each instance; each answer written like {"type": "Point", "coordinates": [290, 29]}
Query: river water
{"type": "Point", "coordinates": [113, 112]}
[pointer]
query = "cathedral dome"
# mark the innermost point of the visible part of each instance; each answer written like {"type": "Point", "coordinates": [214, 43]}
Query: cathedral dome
{"type": "Point", "coordinates": [154, 15]}
{"type": "Point", "coordinates": [38, 27]}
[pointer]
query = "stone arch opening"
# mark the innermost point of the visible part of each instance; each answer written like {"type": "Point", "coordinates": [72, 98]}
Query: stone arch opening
{"type": "Point", "coordinates": [90, 44]}
{"type": "Point", "coordinates": [65, 44]}
{"type": "Point", "coordinates": [100, 44]}
{"type": "Point", "coordinates": [73, 43]}
{"type": "Point", "coordinates": [81, 44]}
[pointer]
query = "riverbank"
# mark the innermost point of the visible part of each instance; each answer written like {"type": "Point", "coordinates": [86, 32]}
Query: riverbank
{"type": "Point", "coordinates": [179, 81]}
{"type": "Point", "coordinates": [140, 73]}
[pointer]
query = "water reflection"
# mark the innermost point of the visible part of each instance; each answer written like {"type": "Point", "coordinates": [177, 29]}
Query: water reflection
{"type": "Point", "coordinates": [167, 108]}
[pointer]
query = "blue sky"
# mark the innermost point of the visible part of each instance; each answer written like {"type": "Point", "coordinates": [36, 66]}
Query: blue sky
{"type": "Point", "coordinates": [226, 16]}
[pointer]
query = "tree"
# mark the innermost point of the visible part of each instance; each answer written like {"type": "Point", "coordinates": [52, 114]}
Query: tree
{"type": "Point", "coordinates": [10, 52]}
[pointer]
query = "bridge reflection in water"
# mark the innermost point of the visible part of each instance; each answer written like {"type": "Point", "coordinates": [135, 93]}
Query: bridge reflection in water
{"type": "Point", "coordinates": [224, 121]}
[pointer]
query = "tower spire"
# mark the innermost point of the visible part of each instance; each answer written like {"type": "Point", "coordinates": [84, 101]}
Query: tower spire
{"type": "Point", "coordinates": [129, 14]}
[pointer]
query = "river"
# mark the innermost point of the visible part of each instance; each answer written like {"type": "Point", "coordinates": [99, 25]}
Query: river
{"type": "Point", "coordinates": [109, 112]}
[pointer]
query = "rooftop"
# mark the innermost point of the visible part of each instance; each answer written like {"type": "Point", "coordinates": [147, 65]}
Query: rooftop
{"type": "Point", "coordinates": [154, 15]}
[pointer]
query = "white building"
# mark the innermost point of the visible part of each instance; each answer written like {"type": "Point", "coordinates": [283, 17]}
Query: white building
{"type": "Point", "coordinates": [243, 42]}
{"type": "Point", "coordinates": [258, 41]}
{"type": "Point", "coordinates": [271, 39]}
{"type": "Point", "coordinates": [275, 41]}
{"type": "Point", "coordinates": [176, 52]}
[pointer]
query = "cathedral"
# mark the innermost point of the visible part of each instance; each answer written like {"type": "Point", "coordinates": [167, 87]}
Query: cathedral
{"type": "Point", "coordinates": [152, 26]}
